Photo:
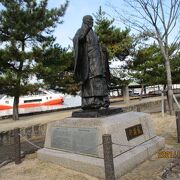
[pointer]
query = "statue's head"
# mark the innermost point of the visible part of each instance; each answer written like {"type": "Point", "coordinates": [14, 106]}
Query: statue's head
{"type": "Point", "coordinates": [88, 20]}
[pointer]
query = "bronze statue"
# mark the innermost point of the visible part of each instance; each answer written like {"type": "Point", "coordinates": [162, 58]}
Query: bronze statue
{"type": "Point", "coordinates": [91, 66]}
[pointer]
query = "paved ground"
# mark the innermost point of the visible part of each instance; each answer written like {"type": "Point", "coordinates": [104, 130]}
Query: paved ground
{"type": "Point", "coordinates": [26, 121]}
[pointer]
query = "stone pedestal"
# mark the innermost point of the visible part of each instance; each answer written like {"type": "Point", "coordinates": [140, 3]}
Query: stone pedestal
{"type": "Point", "coordinates": [76, 143]}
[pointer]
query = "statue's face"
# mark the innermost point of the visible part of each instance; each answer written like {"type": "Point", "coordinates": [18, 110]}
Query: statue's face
{"type": "Point", "coordinates": [89, 22]}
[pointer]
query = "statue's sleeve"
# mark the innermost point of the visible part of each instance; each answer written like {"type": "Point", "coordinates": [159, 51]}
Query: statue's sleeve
{"type": "Point", "coordinates": [80, 55]}
{"type": "Point", "coordinates": [76, 56]}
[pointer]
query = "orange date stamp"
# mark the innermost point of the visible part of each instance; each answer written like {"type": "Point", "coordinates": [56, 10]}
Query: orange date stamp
{"type": "Point", "coordinates": [168, 154]}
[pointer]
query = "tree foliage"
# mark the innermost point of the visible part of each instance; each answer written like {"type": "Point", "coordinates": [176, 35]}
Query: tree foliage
{"type": "Point", "coordinates": [175, 66]}
{"type": "Point", "coordinates": [158, 19]}
{"type": "Point", "coordinates": [55, 67]}
{"type": "Point", "coordinates": [119, 44]}
{"type": "Point", "coordinates": [147, 66]}
{"type": "Point", "coordinates": [25, 25]}
{"type": "Point", "coordinates": [117, 41]}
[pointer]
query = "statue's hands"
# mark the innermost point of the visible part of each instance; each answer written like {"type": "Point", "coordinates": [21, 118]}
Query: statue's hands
{"type": "Point", "coordinates": [84, 31]}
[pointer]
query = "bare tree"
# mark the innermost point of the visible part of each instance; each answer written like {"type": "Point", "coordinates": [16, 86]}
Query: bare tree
{"type": "Point", "coordinates": [158, 19]}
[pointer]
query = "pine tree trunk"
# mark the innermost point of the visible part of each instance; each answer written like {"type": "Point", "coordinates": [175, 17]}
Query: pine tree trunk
{"type": "Point", "coordinates": [15, 108]}
{"type": "Point", "coordinates": [16, 97]}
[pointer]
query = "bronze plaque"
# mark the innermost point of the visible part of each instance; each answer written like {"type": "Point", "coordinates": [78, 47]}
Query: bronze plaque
{"type": "Point", "coordinates": [134, 131]}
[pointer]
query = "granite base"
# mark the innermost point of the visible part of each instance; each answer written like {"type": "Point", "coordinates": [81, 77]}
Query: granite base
{"type": "Point", "coordinates": [93, 113]}
{"type": "Point", "coordinates": [76, 143]}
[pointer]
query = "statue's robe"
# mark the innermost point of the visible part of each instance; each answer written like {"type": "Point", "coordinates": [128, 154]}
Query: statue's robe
{"type": "Point", "coordinates": [90, 69]}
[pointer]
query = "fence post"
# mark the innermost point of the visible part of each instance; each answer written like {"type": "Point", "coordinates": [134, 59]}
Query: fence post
{"type": "Point", "coordinates": [108, 157]}
{"type": "Point", "coordinates": [165, 100]}
{"type": "Point", "coordinates": [17, 146]}
{"type": "Point", "coordinates": [162, 103]}
{"type": "Point", "coordinates": [178, 125]}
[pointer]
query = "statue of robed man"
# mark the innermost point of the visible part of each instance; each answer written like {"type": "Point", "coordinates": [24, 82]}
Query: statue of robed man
{"type": "Point", "coordinates": [91, 66]}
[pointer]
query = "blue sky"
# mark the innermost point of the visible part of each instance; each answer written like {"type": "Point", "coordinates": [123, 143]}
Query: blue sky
{"type": "Point", "coordinates": [73, 17]}
{"type": "Point", "coordinates": [77, 9]}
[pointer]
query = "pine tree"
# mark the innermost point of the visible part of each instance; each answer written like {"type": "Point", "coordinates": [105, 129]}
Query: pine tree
{"type": "Point", "coordinates": [147, 66]}
{"type": "Point", "coordinates": [25, 25]}
{"type": "Point", "coordinates": [117, 41]}
{"type": "Point", "coordinates": [158, 20]}
{"type": "Point", "coordinates": [148, 62]}
{"type": "Point", "coordinates": [56, 69]}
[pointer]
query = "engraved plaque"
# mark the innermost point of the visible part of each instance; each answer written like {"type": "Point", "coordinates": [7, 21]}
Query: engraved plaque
{"type": "Point", "coordinates": [134, 131]}
{"type": "Point", "coordinates": [62, 138]}
{"type": "Point", "coordinates": [78, 140]}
